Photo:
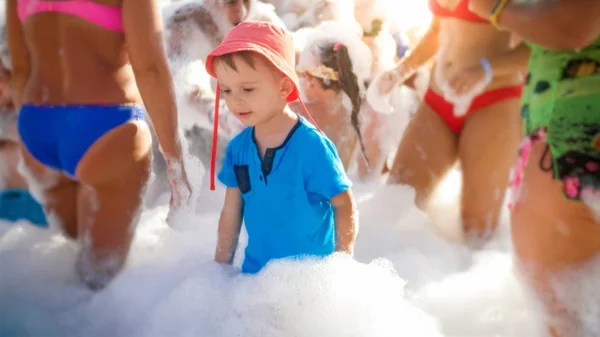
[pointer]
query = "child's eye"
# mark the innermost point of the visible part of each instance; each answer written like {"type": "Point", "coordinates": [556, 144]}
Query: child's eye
{"type": "Point", "coordinates": [226, 91]}
{"type": "Point", "coordinates": [248, 89]}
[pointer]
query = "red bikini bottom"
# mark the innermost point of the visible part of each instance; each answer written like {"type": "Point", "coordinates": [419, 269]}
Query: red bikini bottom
{"type": "Point", "coordinates": [445, 109]}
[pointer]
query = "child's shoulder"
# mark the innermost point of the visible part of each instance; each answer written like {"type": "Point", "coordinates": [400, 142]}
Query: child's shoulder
{"type": "Point", "coordinates": [312, 137]}
{"type": "Point", "coordinates": [241, 140]}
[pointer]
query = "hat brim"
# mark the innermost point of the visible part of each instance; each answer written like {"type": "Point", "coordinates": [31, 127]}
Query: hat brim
{"type": "Point", "coordinates": [273, 58]}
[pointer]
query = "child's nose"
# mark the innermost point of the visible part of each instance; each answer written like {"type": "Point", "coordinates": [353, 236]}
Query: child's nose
{"type": "Point", "coordinates": [239, 100]}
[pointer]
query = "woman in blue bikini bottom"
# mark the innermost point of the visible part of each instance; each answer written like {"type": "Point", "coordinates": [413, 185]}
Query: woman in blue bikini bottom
{"type": "Point", "coordinates": [98, 158]}
{"type": "Point", "coordinates": [79, 85]}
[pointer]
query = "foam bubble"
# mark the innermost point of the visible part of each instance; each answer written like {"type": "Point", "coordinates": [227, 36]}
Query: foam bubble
{"type": "Point", "coordinates": [405, 281]}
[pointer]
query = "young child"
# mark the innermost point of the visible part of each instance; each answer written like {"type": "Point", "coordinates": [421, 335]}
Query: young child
{"type": "Point", "coordinates": [333, 65]}
{"type": "Point", "coordinates": [284, 178]}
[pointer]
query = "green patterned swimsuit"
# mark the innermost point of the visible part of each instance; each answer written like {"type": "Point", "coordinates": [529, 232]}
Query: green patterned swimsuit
{"type": "Point", "coordinates": [561, 106]}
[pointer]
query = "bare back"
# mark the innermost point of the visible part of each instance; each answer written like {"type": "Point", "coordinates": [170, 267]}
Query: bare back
{"type": "Point", "coordinates": [74, 61]}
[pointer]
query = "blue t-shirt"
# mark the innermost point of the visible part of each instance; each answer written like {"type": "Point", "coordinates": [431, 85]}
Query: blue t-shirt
{"type": "Point", "coordinates": [286, 195]}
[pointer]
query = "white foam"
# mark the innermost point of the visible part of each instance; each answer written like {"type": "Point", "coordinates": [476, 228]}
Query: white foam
{"type": "Point", "coordinates": [576, 288]}
{"type": "Point", "coordinates": [408, 282]}
{"type": "Point", "coordinates": [592, 200]}
{"type": "Point", "coordinates": [184, 209]}
{"type": "Point", "coordinates": [331, 32]}
{"type": "Point", "coordinates": [309, 13]}
{"type": "Point", "coordinates": [38, 183]}
{"type": "Point", "coordinates": [380, 103]}
{"type": "Point", "coordinates": [261, 11]}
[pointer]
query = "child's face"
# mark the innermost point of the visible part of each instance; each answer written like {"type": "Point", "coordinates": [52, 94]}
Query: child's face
{"type": "Point", "coordinates": [308, 86]}
{"type": "Point", "coordinates": [312, 90]}
{"type": "Point", "coordinates": [253, 94]}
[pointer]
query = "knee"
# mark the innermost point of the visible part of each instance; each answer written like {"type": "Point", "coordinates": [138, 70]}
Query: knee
{"type": "Point", "coordinates": [479, 222]}
{"type": "Point", "coordinates": [477, 231]}
{"type": "Point", "coordinates": [486, 214]}
{"type": "Point", "coordinates": [65, 223]}
{"type": "Point", "coordinates": [481, 201]}
{"type": "Point", "coordinates": [96, 271]}
{"type": "Point", "coordinates": [400, 174]}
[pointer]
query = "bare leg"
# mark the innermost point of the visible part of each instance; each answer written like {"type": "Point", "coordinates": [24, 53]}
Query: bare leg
{"type": "Point", "coordinates": [427, 151]}
{"type": "Point", "coordinates": [346, 144]}
{"type": "Point", "coordinates": [10, 156]}
{"type": "Point", "coordinates": [550, 234]}
{"type": "Point", "coordinates": [487, 149]}
{"type": "Point", "coordinates": [113, 174]}
{"type": "Point", "coordinates": [372, 131]}
{"type": "Point", "coordinates": [57, 192]}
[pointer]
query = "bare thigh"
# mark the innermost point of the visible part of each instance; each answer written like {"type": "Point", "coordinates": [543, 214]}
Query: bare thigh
{"type": "Point", "coordinates": [56, 192]}
{"type": "Point", "coordinates": [372, 131]}
{"type": "Point", "coordinates": [346, 141]}
{"type": "Point", "coordinates": [551, 234]}
{"type": "Point", "coordinates": [113, 174]}
{"type": "Point", "coordinates": [487, 149]}
{"type": "Point", "coordinates": [427, 151]}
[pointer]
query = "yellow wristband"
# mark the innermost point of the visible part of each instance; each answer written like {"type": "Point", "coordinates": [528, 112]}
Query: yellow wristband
{"type": "Point", "coordinates": [496, 10]}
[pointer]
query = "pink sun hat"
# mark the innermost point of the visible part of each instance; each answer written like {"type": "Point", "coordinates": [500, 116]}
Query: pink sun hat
{"type": "Point", "coordinates": [268, 40]}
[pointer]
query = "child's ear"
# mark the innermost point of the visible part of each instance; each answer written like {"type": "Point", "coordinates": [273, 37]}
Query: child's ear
{"type": "Point", "coordinates": [287, 86]}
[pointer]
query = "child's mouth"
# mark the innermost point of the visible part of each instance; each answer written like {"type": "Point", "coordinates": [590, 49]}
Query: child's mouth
{"type": "Point", "coordinates": [244, 114]}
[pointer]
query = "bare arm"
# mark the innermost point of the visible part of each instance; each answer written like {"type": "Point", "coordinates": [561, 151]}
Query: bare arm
{"type": "Point", "coordinates": [346, 222]}
{"type": "Point", "coordinates": [20, 59]}
{"type": "Point", "coordinates": [423, 52]}
{"type": "Point", "coordinates": [143, 35]}
{"type": "Point", "coordinates": [230, 225]}
{"type": "Point", "coordinates": [559, 24]}
{"type": "Point", "coordinates": [408, 66]}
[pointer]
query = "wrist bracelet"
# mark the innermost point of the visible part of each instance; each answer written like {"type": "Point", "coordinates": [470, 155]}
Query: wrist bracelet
{"type": "Point", "coordinates": [496, 10]}
{"type": "Point", "coordinates": [489, 74]}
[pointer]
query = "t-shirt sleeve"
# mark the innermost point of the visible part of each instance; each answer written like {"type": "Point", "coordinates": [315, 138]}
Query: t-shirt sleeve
{"type": "Point", "coordinates": [327, 176]}
{"type": "Point", "coordinates": [227, 175]}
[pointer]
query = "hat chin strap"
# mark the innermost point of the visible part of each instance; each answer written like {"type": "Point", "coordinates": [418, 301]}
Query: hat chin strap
{"type": "Point", "coordinates": [213, 155]}
{"type": "Point", "coordinates": [309, 115]}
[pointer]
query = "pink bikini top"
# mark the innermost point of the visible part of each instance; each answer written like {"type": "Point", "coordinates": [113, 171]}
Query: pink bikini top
{"type": "Point", "coordinates": [101, 15]}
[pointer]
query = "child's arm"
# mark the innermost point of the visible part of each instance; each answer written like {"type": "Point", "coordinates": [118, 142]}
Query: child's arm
{"type": "Point", "coordinates": [346, 222]}
{"type": "Point", "coordinates": [230, 224]}
{"type": "Point", "coordinates": [328, 179]}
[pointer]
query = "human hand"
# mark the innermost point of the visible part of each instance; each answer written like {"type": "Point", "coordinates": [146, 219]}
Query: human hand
{"type": "Point", "coordinates": [387, 81]}
{"type": "Point", "coordinates": [464, 80]}
{"type": "Point", "coordinates": [379, 91]}
{"type": "Point", "coordinates": [181, 191]}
